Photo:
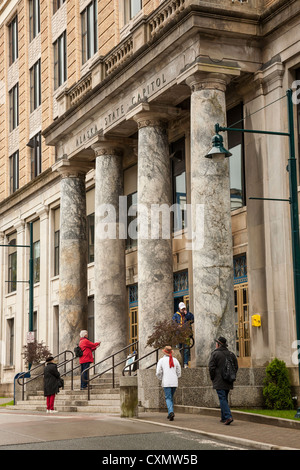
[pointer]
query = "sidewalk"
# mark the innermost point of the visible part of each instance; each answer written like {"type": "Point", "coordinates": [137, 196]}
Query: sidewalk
{"type": "Point", "coordinates": [248, 430]}
{"type": "Point", "coordinates": [258, 432]}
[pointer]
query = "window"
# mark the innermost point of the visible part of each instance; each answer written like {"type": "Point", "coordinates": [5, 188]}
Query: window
{"type": "Point", "coordinates": [14, 107]}
{"type": "Point", "coordinates": [36, 261]}
{"type": "Point", "coordinates": [56, 252]}
{"type": "Point", "coordinates": [13, 40]}
{"type": "Point", "coordinates": [12, 264]}
{"type": "Point", "coordinates": [57, 4]}
{"type": "Point", "coordinates": [36, 251]}
{"type": "Point", "coordinates": [14, 172]}
{"type": "Point", "coordinates": [34, 19]}
{"type": "Point", "coordinates": [91, 327]}
{"type": "Point", "coordinates": [11, 341]}
{"type": "Point", "coordinates": [91, 237]}
{"type": "Point", "coordinates": [177, 152]}
{"type": "Point", "coordinates": [131, 241]}
{"type": "Point", "coordinates": [236, 161]}
{"type": "Point", "coordinates": [35, 86]}
{"type": "Point", "coordinates": [89, 31]}
{"type": "Point", "coordinates": [60, 60]}
{"type": "Point", "coordinates": [35, 145]}
{"type": "Point", "coordinates": [132, 7]}
{"type": "Point", "coordinates": [56, 241]}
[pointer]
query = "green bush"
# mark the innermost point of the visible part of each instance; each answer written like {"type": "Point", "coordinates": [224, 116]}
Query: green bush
{"type": "Point", "coordinates": [277, 388]}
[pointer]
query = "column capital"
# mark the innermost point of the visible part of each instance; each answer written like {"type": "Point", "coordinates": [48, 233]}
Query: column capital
{"type": "Point", "coordinates": [146, 114]}
{"type": "Point", "coordinates": [108, 146]}
{"type": "Point", "coordinates": [206, 74]}
{"type": "Point", "coordinates": [72, 168]}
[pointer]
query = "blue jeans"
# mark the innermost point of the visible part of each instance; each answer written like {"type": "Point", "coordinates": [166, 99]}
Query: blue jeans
{"type": "Point", "coordinates": [84, 376]}
{"type": "Point", "coordinates": [186, 353]}
{"type": "Point", "coordinates": [169, 393]}
{"type": "Point", "coordinates": [223, 398]}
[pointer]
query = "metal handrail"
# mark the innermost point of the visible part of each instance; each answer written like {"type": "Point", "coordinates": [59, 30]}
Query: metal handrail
{"type": "Point", "coordinates": [155, 351]}
{"type": "Point", "coordinates": [24, 375]}
{"type": "Point", "coordinates": [112, 367]}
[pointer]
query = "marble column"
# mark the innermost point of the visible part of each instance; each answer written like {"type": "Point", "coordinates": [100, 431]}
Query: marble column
{"type": "Point", "coordinates": [212, 254]}
{"type": "Point", "coordinates": [155, 268]}
{"type": "Point", "coordinates": [73, 253]}
{"type": "Point", "coordinates": [110, 314]}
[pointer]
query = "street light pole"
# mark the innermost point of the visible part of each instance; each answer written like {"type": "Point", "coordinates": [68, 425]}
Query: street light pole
{"type": "Point", "coordinates": [293, 199]}
{"type": "Point", "coordinates": [292, 169]}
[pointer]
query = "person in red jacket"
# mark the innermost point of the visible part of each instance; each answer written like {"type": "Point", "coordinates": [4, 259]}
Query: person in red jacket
{"type": "Point", "coordinates": [86, 359]}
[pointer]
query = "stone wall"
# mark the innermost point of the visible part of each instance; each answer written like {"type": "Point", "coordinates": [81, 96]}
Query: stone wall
{"type": "Point", "coordinates": [195, 389]}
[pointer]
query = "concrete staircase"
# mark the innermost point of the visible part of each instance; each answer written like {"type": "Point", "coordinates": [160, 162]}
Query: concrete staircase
{"type": "Point", "coordinates": [103, 399]}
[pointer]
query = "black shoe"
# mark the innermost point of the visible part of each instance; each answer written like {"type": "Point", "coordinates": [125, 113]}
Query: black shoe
{"type": "Point", "coordinates": [171, 416]}
{"type": "Point", "coordinates": [228, 421]}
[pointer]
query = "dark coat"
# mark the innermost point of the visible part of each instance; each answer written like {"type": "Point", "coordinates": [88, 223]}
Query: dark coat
{"type": "Point", "coordinates": [216, 363]}
{"type": "Point", "coordinates": [52, 380]}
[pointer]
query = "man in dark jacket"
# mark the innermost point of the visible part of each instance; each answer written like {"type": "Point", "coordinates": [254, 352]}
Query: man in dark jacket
{"type": "Point", "coordinates": [216, 366]}
{"type": "Point", "coordinates": [181, 317]}
{"type": "Point", "coordinates": [52, 383]}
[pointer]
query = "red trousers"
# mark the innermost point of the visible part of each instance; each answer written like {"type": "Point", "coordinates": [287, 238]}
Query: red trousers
{"type": "Point", "coordinates": [50, 402]}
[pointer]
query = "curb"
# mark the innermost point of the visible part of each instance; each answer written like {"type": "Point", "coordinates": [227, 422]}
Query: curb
{"type": "Point", "coordinates": [241, 415]}
{"type": "Point", "coordinates": [220, 437]}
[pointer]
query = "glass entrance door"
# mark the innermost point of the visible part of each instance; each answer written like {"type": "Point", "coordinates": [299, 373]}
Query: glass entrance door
{"type": "Point", "coordinates": [242, 324]}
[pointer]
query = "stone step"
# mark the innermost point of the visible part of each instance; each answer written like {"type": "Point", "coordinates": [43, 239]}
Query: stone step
{"type": "Point", "coordinates": [103, 397]}
{"type": "Point", "coordinates": [66, 408]}
{"type": "Point", "coordinates": [76, 401]}
{"type": "Point", "coordinates": [79, 396]}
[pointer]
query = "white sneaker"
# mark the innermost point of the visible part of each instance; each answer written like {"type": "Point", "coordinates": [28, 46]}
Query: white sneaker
{"type": "Point", "coordinates": [53, 411]}
{"type": "Point", "coordinates": [48, 411]}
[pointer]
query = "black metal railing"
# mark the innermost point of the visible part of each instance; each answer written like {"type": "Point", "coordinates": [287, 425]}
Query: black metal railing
{"type": "Point", "coordinates": [68, 367]}
{"type": "Point", "coordinates": [86, 374]}
{"type": "Point", "coordinates": [28, 375]}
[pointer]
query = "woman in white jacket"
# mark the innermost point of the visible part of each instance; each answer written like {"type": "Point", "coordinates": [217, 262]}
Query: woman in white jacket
{"type": "Point", "coordinates": [168, 371]}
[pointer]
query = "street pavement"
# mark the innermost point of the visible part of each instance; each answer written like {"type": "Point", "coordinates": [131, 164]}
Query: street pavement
{"type": "Point", "coordinates": [192, 430]}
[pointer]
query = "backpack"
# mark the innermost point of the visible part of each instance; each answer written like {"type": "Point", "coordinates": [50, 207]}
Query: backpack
{"type": "Point", "coordinates": [229, 368]}
{"type": "Point", "coordinates": [78, 351]}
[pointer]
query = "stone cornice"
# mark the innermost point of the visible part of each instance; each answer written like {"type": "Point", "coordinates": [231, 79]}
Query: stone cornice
{"type": "Point", "coordinates": [192, 8]}
{"type": "Point", "coordinates": [72, 169]}
{"type": "Point", "coordinates": [28, 190]}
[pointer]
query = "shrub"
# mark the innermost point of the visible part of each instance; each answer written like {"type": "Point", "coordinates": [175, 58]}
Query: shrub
{"type": "Point", "coordinates": [35, 352]}
{"type": "Point", "coordinates": [169, 333]}
{"type": "Point", "coordinates": [277, 389]}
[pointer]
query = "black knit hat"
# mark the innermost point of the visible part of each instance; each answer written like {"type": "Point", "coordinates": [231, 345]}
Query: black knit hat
{"type": "Point", "coordinates": [222, 341]}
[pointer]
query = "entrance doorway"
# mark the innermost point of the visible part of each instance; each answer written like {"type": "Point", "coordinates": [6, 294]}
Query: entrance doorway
{"type": "Point", "coordinates": [241, 307]}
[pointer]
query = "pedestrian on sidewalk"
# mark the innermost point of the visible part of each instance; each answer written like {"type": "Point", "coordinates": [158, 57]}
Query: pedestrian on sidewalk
{"type": "Point", "coordinates": [86, 359]}
{"type": "Point", "coordinates": [52, 383]}
{"type": "Point", "coordinates": [168, 370]}
{"type": "Point", "coordinates": [216, 369]}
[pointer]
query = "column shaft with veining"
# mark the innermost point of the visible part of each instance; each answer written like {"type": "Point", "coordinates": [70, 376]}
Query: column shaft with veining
{"type": "Point", "coordinates": [110, 280]}
{"type": "Point", "coordinates": [73, 254]}
{"type": "Point", "coordinates": [212, 254]}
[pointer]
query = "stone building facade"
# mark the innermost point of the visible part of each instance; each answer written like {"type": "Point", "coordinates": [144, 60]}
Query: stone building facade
{"type": "Point", "coordinates": [109, 107]}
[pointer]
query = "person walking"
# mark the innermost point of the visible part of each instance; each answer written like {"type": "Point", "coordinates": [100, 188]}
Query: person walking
{"type": "Point", "coordinates": [168, 370]}
{"type": "Point", "coordinates": [52, 383]}
{"type": "Point", "coordinates": [86, 359]}
{"type": "Point", "coordinates": [181, 317]}
{"type": "Point", "coordinates": [222, 386]}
